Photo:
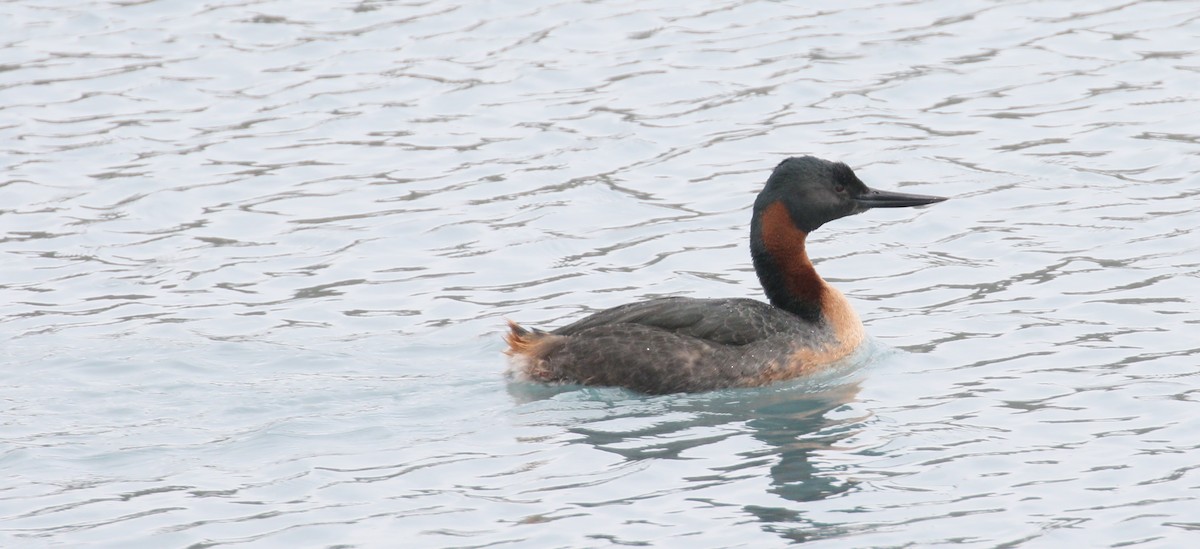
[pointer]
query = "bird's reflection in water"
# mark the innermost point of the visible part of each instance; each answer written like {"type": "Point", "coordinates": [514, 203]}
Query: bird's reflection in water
{"type": "Point", "coordinates": [791, 422]}
{"type": "Point", "coordinates": [795, 430]}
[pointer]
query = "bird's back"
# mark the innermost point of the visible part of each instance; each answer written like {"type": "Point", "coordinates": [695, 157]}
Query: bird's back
{"type": "Point", "coordinates": [674, 344]}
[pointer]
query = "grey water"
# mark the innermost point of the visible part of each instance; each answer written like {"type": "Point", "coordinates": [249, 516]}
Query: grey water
{"type": "Point", "coordinates": [256, 258]}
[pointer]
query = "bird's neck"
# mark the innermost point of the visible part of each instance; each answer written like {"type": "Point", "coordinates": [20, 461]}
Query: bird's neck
{"type": "Point", "coordinates": [781, 262]}
{"type": "Point", "coordinates": [792, 283]}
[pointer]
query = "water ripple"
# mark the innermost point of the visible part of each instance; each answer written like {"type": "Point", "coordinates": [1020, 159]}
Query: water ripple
{"type": "Point", "coordinates": [257, 255]}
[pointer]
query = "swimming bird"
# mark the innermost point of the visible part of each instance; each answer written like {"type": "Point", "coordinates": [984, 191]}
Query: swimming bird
{"type": "Point", "coordinates": [683, 344]}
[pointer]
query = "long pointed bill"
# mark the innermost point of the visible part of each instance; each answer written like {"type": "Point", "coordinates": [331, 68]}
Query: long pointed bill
{"type": "Point", "coordinates": [889, 199]}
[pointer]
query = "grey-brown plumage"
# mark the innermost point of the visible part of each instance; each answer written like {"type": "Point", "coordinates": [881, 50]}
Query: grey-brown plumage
{"type": "Point", "coordinates": [673, 344]}
{"type": "Point", "coordinates": [680, 344]}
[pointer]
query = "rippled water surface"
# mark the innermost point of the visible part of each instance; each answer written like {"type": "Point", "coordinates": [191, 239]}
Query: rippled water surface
{"type": "Point", "coordinates": [256, 257]}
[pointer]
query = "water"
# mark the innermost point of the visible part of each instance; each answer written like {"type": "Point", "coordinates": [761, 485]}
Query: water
{"type": "Point", "coordinates": [257, 257]}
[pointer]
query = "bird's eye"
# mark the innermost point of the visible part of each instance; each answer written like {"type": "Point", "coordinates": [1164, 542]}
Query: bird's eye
{"type": "Point", "coordinates": [840, 188]}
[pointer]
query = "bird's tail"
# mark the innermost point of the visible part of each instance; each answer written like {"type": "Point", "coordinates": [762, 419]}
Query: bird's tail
{"type": "Point", "coordinates": [519, 339]}
{"type": "Point", "coordinates": [527, 350]}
